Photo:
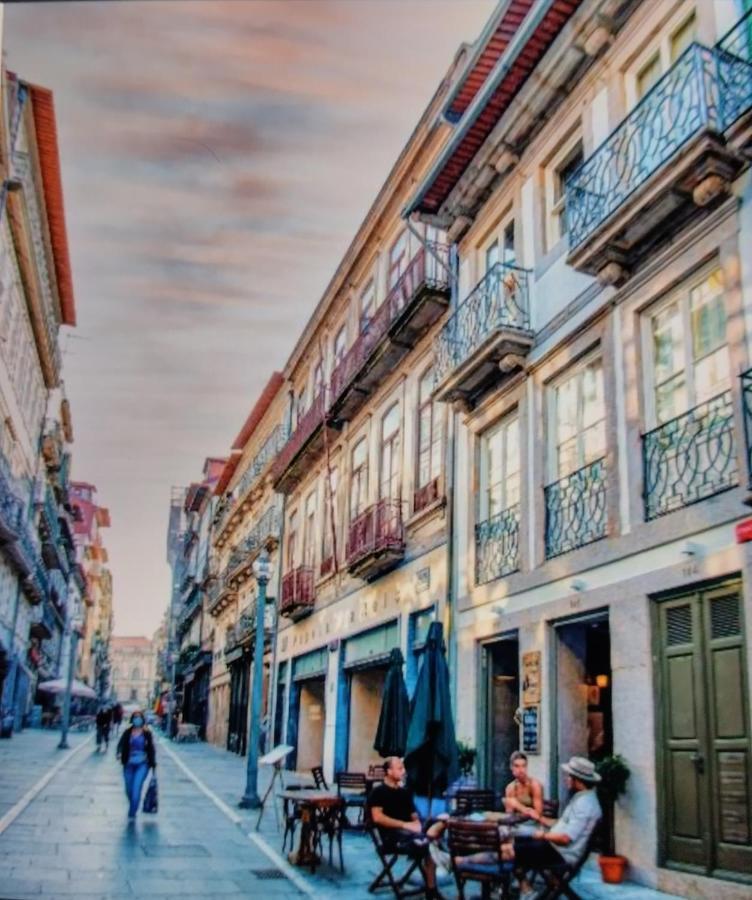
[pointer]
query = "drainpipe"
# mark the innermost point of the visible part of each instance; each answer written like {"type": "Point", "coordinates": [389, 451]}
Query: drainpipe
{"type": "Point", "coordinates": [450, 469]}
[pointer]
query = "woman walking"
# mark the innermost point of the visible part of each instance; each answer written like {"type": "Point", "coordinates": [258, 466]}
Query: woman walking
{"type": "Point", "coordinates": [136, 752]}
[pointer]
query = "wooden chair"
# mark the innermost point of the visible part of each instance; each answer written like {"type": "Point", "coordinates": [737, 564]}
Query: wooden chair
{"type": "Point", "coordinates": [558, 879]}
{"type": "Point", "coordinates": [353, 788]}
{"type": "Point", "coordinates": [400, 885]}
{"type": "Point", "coordinates": [468, 839]}
{"type": "Point", "coordinates": [318, 778]}
{"type": "Point", "coordinates": [470, 800]}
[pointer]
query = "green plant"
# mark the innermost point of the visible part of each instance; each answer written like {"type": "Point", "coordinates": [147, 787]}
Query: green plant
{"type": "Point", "coordinates": [466, 754]}
{"type": "Point", "coordinates": [614, 773]}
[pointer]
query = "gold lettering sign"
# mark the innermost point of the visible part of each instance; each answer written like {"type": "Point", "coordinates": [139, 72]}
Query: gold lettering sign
{"type": "Point", "coordinates": [531, 686]}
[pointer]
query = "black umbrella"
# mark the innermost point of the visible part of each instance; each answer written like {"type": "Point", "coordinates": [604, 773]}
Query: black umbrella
{"type": "Point", "coordinates": [391, 735]}
{"type": "Point", "coordinates": [431, 755]}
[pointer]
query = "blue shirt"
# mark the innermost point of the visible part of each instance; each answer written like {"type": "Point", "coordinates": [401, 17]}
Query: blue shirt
{"type": "Point", "coordinates": [137, 754]}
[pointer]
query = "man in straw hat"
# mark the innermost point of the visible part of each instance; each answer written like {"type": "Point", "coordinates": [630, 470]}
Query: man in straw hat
{"type": "Point", "coordinates": [561, 840]}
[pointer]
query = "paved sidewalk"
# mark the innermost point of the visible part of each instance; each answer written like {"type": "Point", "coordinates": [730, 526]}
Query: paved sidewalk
{"type": "Point", "coordinates": [74, 840]}
{"type": "Point", "coordinates": [223, 774]}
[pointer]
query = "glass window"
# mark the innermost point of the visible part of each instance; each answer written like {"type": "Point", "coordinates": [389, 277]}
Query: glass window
{"type": "Point", "coordinates": [318, 380]}
{"type": "Point", "coordinates": [309, 529]}
{"type": "Point", "coordinates": [367, 305]}
{"type": "Point", "coordinates": [292, 541]}
{"type": "Point", "coordinates": [649, 75]}
{"type": "Point", "coordinates": [359, 479]}
{"type": "Point", "coordinates": [684, 35]}
{"type": "Point", "coordinates": [429, 432]}
{"type": "Point", "coordinates": [579, 415]}
{"type": "Point", "coordinates": [397, 260]}
{"type": "Point", "coordinates": [330, 511]}
{"type": "Point", "coordinates": [340, 345]}
{"type": "Point", "coordinates": [492, 256]}
{"type": "Point", "coordinates": [509, 255]}
{"type": "Point", "coordinates": [499, 468]}
{"type": "Point", "coordinates": [563, 172]}
{"type": "Point", "coordinates": [390, 480]}
{"type": "Point", "coordinates": [689, 352]}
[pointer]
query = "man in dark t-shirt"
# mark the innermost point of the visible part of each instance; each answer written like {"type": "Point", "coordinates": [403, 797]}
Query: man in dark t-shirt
{"type": "Point", "coordinates": [393, 813]}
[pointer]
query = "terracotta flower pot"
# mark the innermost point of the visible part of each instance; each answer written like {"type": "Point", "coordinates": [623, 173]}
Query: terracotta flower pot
{"type": "Point", "coordinates": [612, 868]}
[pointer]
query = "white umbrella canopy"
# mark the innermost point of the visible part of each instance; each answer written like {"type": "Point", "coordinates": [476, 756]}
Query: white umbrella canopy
{"type": "Point", "coordinates": [59, 685]}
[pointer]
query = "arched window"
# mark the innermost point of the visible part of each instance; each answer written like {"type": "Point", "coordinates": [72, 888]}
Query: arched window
{"type": "Point", "coordinates": [136, 674]}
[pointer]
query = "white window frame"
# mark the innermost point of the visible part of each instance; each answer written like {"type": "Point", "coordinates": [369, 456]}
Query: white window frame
{"type": "Point", "coordinates": [660, 46]}
{"type": "Point", "coordinates": [499, 430]}
{"type": "Point", "coordinates": [436, 433]}
{"type": "Point", "coordinates": [555, 201]}
{"type": "Point", "coordinates": [395, 442]}
{"type": "Point", "coordinates": [364, 496]}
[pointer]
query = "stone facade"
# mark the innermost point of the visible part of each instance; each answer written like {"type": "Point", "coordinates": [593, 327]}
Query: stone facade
{"type": "Point", "coordinates": [132, 661]}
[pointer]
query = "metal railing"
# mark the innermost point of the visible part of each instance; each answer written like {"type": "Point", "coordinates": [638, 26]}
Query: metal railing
{"type": "Point", "coordinates": [499, 300]}
{"type": "Point", "coordinates": [690, 457]}
{"type": "Point", "coordinates": [704, 89]}
{"type": "Point", "coordinates": [377, 529]}
{"type": "Point", "coordinates": [746, 378]}
{"type": "Point", "coordinates": [576, 509]}
{"type": "Point", "coordinates": [427, 494]}
{"type": "Point", "coordinates": [298, 592]}
{"type": "Point", "coordinates": [497, 545]}
{"type": "Point", "coordinates": [312, 419]}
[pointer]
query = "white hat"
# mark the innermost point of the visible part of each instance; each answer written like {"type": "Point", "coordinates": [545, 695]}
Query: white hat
{"type": "Point", "coordinates": [582, 769]}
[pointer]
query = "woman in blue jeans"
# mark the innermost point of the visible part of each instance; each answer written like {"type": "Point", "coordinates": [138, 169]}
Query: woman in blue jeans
{"type": "Point", "coordinates": [136, 752]}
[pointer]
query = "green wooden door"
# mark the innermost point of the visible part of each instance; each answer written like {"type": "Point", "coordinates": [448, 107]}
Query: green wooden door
{"type": "Point", "coordinates": [705, 752]}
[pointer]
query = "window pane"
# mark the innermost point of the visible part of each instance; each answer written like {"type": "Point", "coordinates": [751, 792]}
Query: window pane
{"type": "Point", "coordinates": [668, 344]}
{"type": "Point", "coordinates": [708, 316]}
{"type": "Point", "coordinates": [683, 37]}
{"type": "Point", "coordinates": [509, 253]}
{"type": "Point", "coordinates": [712, 375]}
{"type": "Point", "coordinates": [425, 387]}
{"type": "Point", "coordinates": [567, 458]}
{"type": "Point", "coordinates": [566, 411]}
{"type": "Point", "coordinates": [648, 75]}
{"type": "Point", "coordinates": [670, 399]}
{"type": "Point", "coordinates": [391, 422]}
{"type": "Point", "coordinates": [492, 256]}
{"type": "Point", "coordinates": [592, 395]}
{"type": "Point", "coordinates": [367, 301]}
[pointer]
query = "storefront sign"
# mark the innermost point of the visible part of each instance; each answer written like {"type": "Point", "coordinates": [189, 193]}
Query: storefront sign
{"type": "Point", "coordinates": [531, 684]}
{"type": "Point", "coordinates": [531, 729]}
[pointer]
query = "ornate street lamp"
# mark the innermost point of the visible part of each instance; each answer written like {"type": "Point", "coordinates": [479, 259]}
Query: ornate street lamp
{"type": "Point", "coordinates": [262, 569]}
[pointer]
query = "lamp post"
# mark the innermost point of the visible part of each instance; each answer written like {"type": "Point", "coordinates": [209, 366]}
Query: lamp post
{"type": "Point", "coordinates": [75, 624]}
{"type": "Point", "coordinates": [262, 569]}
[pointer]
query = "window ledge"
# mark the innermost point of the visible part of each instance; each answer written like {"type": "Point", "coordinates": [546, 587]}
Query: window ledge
{"type": "Point", "coordinates": [426, 513]}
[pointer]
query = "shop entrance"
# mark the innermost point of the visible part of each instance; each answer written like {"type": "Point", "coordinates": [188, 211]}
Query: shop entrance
{"type": "Point", "coordinates": [311, 721]}
{"type": "Point", "coordinates": [502, 701]}
{"type": "Point", "coordinates": [237, 731]}
{"type": "Point", "coordinates": [584, 723]}
{"type": "Point", "coordinates": [366, 693]}
{"type": "Point", "coordinates": [704, 758]}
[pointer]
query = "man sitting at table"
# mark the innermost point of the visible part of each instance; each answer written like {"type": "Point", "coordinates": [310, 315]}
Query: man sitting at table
{"type": "Point", "coordinates": [523, 795]}
{"type": "Point", "coordinates": [565, 839]}
{"type": "Point", "coordinates": [393, 813]}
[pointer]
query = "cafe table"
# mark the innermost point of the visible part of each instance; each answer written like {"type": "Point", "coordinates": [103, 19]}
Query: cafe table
{"type": "Point", "coordinates": [312, 804]}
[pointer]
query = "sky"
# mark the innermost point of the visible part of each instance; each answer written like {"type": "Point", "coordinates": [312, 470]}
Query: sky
{"type": "Point", "coordinates": [217, 157]}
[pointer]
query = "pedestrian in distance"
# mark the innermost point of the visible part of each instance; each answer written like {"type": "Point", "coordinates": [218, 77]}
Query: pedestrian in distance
{"type": "Point", "coordinates": [138, 756]}
{"type": "Point", "coordinates": [103, 720]}
{"type": "Point", "coordinates": [117, 717]}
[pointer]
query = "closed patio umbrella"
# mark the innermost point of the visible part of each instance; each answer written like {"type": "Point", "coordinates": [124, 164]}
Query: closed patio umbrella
{"type": "Point", "coordinates": [58, 686]}
{"type": "Point", "coordinates": [431, 756]}
{"type": "Point", "coordinates": [391, 734]}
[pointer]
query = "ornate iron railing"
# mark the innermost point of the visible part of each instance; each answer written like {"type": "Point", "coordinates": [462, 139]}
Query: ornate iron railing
{"type": "Point", "coordinates": [309, 422]}
{"type": "Point", "coordinates": [497, 545]}
{"type": "Point", "coordinates": [499, 300]}
{"type": "Point", "coordinates": [690, 457]}
{"type": "Point", "coordinates": [747, 403]}
{"type": "Point", "coordinates": [298, 592]}
{"type": "Point", "coordinates": [704, 89]}
{"type": "Point", "coordinates": [576, 509]}
{"type": "Point", "coordinates": [375, 530]}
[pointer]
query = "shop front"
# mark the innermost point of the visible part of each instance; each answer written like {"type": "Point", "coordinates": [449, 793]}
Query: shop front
{"type": "Point", "coordinates": [238, 663]}
{"type": "Point", "coordinates": [307, 710]}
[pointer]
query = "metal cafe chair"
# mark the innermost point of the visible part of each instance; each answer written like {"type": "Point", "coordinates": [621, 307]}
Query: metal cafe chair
{"type": "Point", "coordinates": [352, 787]}
{"type": "Point", "coordinates": [318, 778]}
{"type": "Point", "coordinates": [470, 800]}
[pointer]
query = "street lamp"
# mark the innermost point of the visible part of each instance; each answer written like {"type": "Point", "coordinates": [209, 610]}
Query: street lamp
{"type": "Point", "coordinates": [75, 625]}
{"type": "Point", "coordinates": [262, 569]}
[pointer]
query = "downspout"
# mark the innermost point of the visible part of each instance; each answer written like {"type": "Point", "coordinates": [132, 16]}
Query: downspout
{"type": "Point", "coordinates": [451, 462]}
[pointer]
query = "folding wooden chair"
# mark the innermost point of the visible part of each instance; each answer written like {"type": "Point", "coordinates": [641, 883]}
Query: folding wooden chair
{"type": "Point", "coordinates": [558, 879]}
{"type": "Point", "coordinates": [468, 839]}
{"type": "Point", "coordinates": [352, 787]}
{"type": "Point", "coordinates": [389, 858]}
{"type": "Point", "coordinates": [470, 800]}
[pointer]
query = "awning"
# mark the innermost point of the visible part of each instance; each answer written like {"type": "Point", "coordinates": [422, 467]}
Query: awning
{"type": "Point", "coordinates": [371, 648]}
{"type": "Point", "coordinates": [310, 665]}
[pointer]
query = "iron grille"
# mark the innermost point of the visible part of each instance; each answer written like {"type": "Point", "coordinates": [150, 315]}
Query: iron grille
{"type": "Point", "coordinates": [690, 458]}
{"type": "Point", "coordinates": [499, 300]}
{"type": "Point", "coordinates": [497, 545]}
{"type": "Point", "coordinates": [725, 617]}
{"type": "Point", "coordinates": [298, 592]}
{"type": "Point", "coordinates": [377, 529]}
{"type": "Point", "coordinates": [576, 509]}
{"type": "Point", "coordinates": [704, 89]}
{"type": "Point", "coordinates": [678, 625]}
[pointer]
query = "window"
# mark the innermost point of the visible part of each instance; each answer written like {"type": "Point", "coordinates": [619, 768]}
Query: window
{"type": "Point", "coordinates": [359, 479]}
{"type": "Point", "coordinates": [340, 345]}
{"type": "Point", "coordinates": [397, 260]}
{"type": "Point", "coordinates": [564, 171]}
{"type": "Point", "coordinates": [651, 69]}
{"type": "Point", "coordinates": [136, 674]}
{"type": "Point", "coordinates": [300, 406]}
{"type": "Point", "coordinates": [309, 529]}
{"type": "Point", "coordinates": [559, 169]}
{"type": "Point", "coordinates": [367, 305]}
{"type": "Point", "coordinates": [491, 256]}
{"type": "Point", "coordinates": [318, 381]}
{"type": "Point", "coordinates": [509, 256]}
{"type": "Point", "coordinates": [390, 476]}
{"type": "Point", "coordinates": [429, 433]}
{"type": "Point", "coordinates": [331, 483]}
{"type": "Point", "coordinates": [578, 420]}
{"type": "Point", "coordinates": [499, 468]}
{"type": "Point", "coordinates": [689, 356]}
{"type": "Point", "coordinates": [292, 540]}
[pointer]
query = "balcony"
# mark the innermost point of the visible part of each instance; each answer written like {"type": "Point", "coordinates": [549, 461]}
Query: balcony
{"type": "Point", "coordinates": [417, 300]}
{"type": "Point", "coordinates": [497, 545]}
{"type": "Point", "coordinates": [677, 152]}
{"type": "Point", "coordinates": [298, 594]}
{"type": "Point", "coordinates": [487, 338]}
{"type": "Point", "coordinates": [303, 448]}
{"type": "Point", "coordinates": [576, 509]}
{"type": "Point", "coordinates": [376, 540]}
{"type": "Point", "coordinates": [690, 457]}
{"type": "Point", "coordinates": [53, 551]}
{"type": "Point", "coordinates": [11, 508]}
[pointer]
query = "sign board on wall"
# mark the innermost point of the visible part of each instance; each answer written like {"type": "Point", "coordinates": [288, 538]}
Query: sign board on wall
{"type": "Point", "coordinates": [531, 729]}
{"type": "Point", "coordinates": [531, 680]}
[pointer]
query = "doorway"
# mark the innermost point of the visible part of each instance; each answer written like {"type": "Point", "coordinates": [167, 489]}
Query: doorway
{"type": "Point", "coordinates": [502, 702]}
{"type": "Point", "coordinates": [584, 720]}
{"type": "Point", "coordinates": [311, 721]}
{"type": "Point", "coordinates": [704, 760]}
{"type": "Point", "coordinates": [366, 694]}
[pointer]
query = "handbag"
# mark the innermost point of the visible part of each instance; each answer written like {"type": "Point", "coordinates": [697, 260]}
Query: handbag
{"type": "Point", "coordinates": [151, 798]}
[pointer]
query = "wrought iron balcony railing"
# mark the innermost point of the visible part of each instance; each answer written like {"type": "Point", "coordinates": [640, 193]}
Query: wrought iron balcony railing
{"type": "Point", "coordinates": [377, 530]}
{"type": "Point", "coordinates": [576, 509]}
{"type": "Point", "coordinates": [704, 89]}
{"type": "Point", "coordinates": [498, 301]}
{"type": "Point", "coordinates": [308, 424]}
{"type": "Point", "coordinates": [747, 404]}
{"type": "Point", "coordinates": [497, 545]}
{"type": "Point", "coordinates": [690, 457]}
{"type": "Point", "coordinates": [298, 593]}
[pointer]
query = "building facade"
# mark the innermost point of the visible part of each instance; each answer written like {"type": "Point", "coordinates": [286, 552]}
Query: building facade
{"type": "Point", "coordinates": [132, 660]}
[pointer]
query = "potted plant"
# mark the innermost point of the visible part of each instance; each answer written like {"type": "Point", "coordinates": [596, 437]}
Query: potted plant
{"type": "Point", "coordinates": [614, 774]}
